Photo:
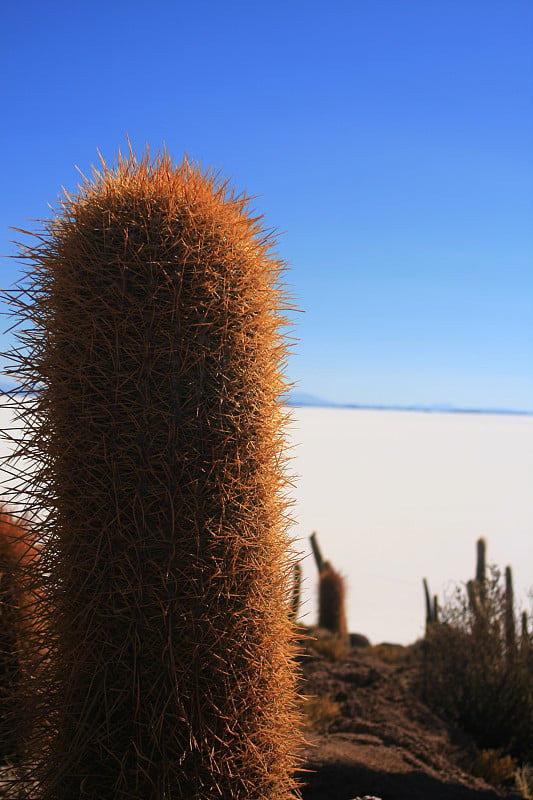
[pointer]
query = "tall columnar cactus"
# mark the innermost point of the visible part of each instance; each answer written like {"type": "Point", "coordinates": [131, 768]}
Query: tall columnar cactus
{"type": "Point", "coordinates": [153, 318]}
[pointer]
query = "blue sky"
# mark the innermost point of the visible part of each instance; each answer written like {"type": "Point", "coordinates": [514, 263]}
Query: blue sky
{"type": "Point", "coordinates": [390, 142]}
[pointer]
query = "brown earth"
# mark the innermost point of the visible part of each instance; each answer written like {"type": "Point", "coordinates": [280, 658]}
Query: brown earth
{"type": "Point", "coordinates": [370, 733]}
{"type": "Point", "coordinates": [376, 737]}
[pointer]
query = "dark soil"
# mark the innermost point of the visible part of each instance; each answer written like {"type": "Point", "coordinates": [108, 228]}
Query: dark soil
{"type": "Point", "coordinates": [379, 739]}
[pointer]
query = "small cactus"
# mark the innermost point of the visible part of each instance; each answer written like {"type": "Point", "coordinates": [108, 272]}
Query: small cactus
{"type": "Point", "coordinates": [332, 602]}
{"type": "Point", "coordinates": [481, 567]}
{"type": "Point", "coordinates": [510, 625]}
{"type": "Point", "coordinates": [320, 563]}
{"type": "Point", "coordinates": [477, 588]}
{"type": "Point", "coordinates": [432, 605]}
{"type": "Point", "coordinates": [526, 650]}
{"type": "Point", "coordinates": [436, 608]}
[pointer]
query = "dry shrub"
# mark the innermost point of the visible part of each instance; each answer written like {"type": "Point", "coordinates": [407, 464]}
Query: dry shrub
{"type": "Point", "coordinates": [524, 781]}
{"type": "Point", "coordinates": [494, 767]}
{"type": "Point", "coordinates": [319, 711]}
{"type": "Point", "coordinates": [334, 648]}
{"type": "Point", "coordinates": [471, 676]}
{"type": "Point", "coordinates": [389, 653]}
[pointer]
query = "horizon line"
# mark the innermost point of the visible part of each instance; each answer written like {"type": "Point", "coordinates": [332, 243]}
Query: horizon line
{"type": "Point", "coordinates": [432, 408]}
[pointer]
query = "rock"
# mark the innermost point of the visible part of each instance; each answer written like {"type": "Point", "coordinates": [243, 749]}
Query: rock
{"type": "Point", "coordinates": [367, 797]}
{"type": "Point", "coordinates": [358, 640]}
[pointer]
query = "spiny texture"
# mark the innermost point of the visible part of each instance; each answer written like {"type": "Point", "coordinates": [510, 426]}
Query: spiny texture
{"type": "Point", "coordinates": [332, 602]}
{"type": "Point", "coordinates": [154, 351]}
{"type": "Point", "coordinates": [17, 553]}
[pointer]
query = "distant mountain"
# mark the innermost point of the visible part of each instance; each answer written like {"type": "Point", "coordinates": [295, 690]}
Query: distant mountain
{"type": "Point", "coordinates": [303, 399]}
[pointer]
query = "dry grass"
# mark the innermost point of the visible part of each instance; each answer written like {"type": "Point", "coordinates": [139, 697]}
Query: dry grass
{"type": "Point", "coordinates": [390, 653]}
{"type": "Point", "coordinates": [334, 648]}
{"type": "Point", "coordinates": [524, 781]}
{"type": "Point", "coordinates": [318, 711]}
{"type": "Point", "coordinates": [495, 767]}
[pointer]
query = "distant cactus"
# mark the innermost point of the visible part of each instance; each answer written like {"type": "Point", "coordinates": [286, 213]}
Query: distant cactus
{"type": "Point", "coordinates": [477, 588]}
{"type": "Point", "coordinates": [432, 605]}
{"type": "Point", "coordinates": [526, 644]}
{"type": "Point", "coordinates": [436, 608]}
{"type": "Point", "coordinates": [481, 566]}
{"type": "Point", "coordinates": [155, 355]}
{"type": "Point", "coordinates": [331, 594]}
{"type": "Point", "coordinates": [320, 563]}
{"type": "Point", "coordinates": [509, 614]}
{"type": "Point", "coordinates": [332, 602]}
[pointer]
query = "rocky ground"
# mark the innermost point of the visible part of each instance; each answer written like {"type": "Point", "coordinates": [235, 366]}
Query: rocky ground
{"type": "Point", "coordinates": [369, 734]}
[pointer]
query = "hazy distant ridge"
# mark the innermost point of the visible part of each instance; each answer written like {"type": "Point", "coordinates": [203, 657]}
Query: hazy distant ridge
{"type": "Point", "coordinates": [299, 399]}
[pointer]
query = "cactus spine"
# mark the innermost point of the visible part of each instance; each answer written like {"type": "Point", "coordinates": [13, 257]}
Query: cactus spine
{"type": "Point", "coordinates": [156, 356]}
{"type": "Point", "coordinates": [296, 596]}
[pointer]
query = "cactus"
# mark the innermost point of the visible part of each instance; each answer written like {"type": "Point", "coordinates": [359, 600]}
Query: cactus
{"type": "Point", "coordinates": [477, 588]}
{"type": "Point", "coordinates": [436, 608]}
{"type": "Point", "coordinates": [153, 319]}
{"type": "Point", "coordinates": [432, 606]}
{"type": "Point", "coordinates": [525, 638]}
{"type": "Point", "coordinates": [509, 618]}
{"type": "Point", "coordinates": [481, 567]}
{"type": "Point", "coordinates": [332, 602]}
{"type": "Point", "coordinates": [429, 604]}
{"type": "Point", "coordinates": [320, 563]}
{"type": "Point", "coordinates": [17, 551]}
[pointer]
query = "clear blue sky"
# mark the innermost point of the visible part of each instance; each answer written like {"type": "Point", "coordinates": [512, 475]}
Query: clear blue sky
{"type": "Point", "coordinates": [391, 141]}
